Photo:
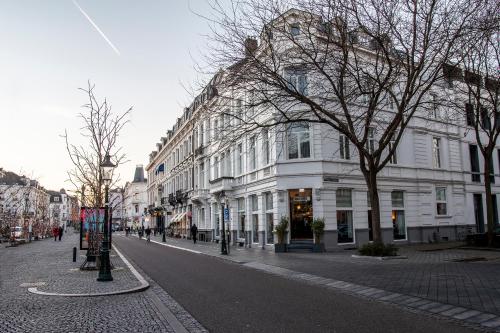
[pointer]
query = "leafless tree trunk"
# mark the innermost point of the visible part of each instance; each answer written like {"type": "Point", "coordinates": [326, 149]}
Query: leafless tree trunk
{"type": "Point", "coordinates": [361, 68]}
{"type": "Point", "coordinates": [101, 126]}
{"type": "Point", "coordinates": [479, 84]}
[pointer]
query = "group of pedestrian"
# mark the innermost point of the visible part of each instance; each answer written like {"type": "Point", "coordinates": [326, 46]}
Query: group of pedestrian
{"type": "Point", "coordinates": [57, 232]}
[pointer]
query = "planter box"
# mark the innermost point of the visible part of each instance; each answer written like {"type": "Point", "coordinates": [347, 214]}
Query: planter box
{"type": "Point", "coordinates": [280, 248]}
{"type": "Point", "coordinates": [319, 247]}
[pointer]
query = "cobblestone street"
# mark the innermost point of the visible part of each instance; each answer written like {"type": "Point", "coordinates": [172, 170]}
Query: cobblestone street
{"type": "Point", "coordinates": [48, 266]}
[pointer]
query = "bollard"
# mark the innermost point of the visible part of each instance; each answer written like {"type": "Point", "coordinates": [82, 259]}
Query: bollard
{"type": "Point", "coordinates": [74, 254]}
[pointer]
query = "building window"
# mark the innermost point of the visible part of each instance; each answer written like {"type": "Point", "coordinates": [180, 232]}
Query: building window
{"type": "Point", "coordinates": [241, 218]}
{"type": "Point", "coordinates": [398, 215]}
{"type": "Point", "coordinates": [295, 29]}
{"type": "Point", "coordinates": [265, 147]}
{"type": "Point", "coordinates": [269, 218]}
{"type": "Point", "coordinates": [344, 147]}
{"type": "Point", "coordinates": [474, 163]}
{"type": "Point", "coordinates": [441, 201]}
{"type": "Point", "coordinates": [216, 167]}
{"type": "Point", "coordinates": [344, 216]}
{"type": "Point", "coordinates": [469, 114]}
{"type": "Point", "coordinates": [296, 80]}
{"type": "Point", "coordinates": [239, 159]}
{"type": "Point", "coordinates": [136, 209]}
{"type": "Point", "coordinates": [255, 218]}
{"type": "Point", "coordinates": [216, 129]}
{"type": "Point", "coordinates": [485, 119]}
{"type": "Point", "coordinates": [252, 154]}
{"type": "Point", "coordinates": [370, 143]}
{"type": "Point", "coordinates": [394, 157]}
{"type": "Point", "coordinates": [436, 152]}
{"type": "Point", "coordinates": [492, 172]}
{"type": "Point", "coordinates": [202, 175]}
{"type": "Point", "coordinates": [434, 107]}
{"type": "Point", "coordinates": [298, 141]}
{"type": "Point", "coordinates": [238, 112]}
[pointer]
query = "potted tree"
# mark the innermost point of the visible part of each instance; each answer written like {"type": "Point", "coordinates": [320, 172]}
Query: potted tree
{"type": "Point", "coordinates": [318, 228]}
{"type": "Point", "coordinates": [280, 232]}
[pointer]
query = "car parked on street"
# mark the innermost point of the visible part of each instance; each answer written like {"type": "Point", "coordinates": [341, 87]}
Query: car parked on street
{"type": "Point", "coordinates": [17, 232]}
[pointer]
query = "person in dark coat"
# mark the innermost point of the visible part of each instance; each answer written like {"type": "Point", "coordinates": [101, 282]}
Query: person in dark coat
{"type": "Point", "coordinates": [194, 233]}
{"type": "Point", "coordinates": [55, 233]}
{"type": "Point", "coordinates": [148, 234]}
{"type": "Point", "coordinates": [61, 230]}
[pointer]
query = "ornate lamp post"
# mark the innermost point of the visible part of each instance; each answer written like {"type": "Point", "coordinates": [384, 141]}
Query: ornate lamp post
{"type": "Point", "coordinates": [105, 267]}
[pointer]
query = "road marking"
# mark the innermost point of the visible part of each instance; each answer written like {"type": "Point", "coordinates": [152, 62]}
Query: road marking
{"type": "Point", "coordinates": [172, 246]}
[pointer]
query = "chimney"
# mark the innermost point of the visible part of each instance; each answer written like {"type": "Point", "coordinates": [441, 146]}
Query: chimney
{"type": "Point", "coordinates": [250, 46]}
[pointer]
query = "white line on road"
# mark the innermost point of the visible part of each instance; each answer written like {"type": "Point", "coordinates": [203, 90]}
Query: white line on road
{"type": "Point", "coordinates": [172, 246]}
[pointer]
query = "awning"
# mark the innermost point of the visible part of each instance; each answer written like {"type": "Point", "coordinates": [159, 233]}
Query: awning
{"type": "Point", "coordinates": [174, 218]}
{"type": "Point", "coordinates": [180, 216]}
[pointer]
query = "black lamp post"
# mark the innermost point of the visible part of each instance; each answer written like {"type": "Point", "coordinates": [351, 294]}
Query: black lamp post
{"type": "Point", "coordinates": [105, 267]}
{"type": "Point", "coordinates": [223, 249]}
{"type": "Point", "coordinates": [163, 220]}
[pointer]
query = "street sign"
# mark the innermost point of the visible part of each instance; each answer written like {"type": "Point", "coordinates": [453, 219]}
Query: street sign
{"type": "Point", "coordinates": [226, 214]}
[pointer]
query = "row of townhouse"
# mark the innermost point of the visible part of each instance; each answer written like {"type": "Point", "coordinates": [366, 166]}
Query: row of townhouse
{"type": "Point", "coordinates": [433, 189]}
{"type": "Point", "coordinates": [25, 204]}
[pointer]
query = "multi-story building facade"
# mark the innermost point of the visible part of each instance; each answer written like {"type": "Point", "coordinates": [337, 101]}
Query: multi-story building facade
{"type": "Point", "coordinates": [136, 200]}
{"type": "Point", "coordinates": [432, 189]}
{"type": "Point", "coordinates": [23, 203]}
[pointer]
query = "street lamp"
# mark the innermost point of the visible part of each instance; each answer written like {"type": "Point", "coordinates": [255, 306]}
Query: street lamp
{"type": "Point", "coordinates": [26, 211]}
{"type": "Point", "coordinates": [105, 266]}
{"type": "Point", "coordinates": [223, 249]}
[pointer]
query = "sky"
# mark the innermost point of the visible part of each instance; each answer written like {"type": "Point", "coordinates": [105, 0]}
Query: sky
{"type": "Point", "coordinates": [49, 48]}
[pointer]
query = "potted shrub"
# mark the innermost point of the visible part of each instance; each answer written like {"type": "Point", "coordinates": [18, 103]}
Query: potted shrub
{"type": "Point", "coordinates": [280, 232]}
{"type": "Point", "coordinates": [318, 228]}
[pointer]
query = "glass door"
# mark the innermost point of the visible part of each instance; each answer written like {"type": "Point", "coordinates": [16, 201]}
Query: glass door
{"type": "Point", "coordinates": [301, 213]}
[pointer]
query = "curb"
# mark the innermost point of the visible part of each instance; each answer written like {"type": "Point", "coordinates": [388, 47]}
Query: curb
{"type": "Point", "coordinates": [144, 284]}
{"type": "Point", "coordinates": [378, 258]}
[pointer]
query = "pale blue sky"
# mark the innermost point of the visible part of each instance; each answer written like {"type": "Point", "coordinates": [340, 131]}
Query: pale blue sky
{"type": "Point", "coordinates": [48, 49]}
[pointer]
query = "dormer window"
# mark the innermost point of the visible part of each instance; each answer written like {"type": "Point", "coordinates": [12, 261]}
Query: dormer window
{"type": "Point", "coordinates": [295, 29]}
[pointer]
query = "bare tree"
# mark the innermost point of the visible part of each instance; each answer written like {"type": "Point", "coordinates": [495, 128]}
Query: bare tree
{"type": "Point", "coordinates": [363, 68]}
{"type": "Point", "coordinates": [101, 127]}
{"type": "Point", "coordinates": [479, 85]}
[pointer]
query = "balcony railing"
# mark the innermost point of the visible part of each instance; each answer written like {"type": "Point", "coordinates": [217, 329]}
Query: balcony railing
{"type": "Point", "coordinates": [198, 151]}
{"type": "Point", "coordinates": [200, 194]}
{"type": "Point", "coordinates": [181, 196]}
{"type": "Point", "coordinates": [171, 199]}
{"type": "Point", "coordinates": [221, 184]}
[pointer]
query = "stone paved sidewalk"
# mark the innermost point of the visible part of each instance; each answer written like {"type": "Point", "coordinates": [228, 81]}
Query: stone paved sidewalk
{"type": "Point", "coordinates": [434, 275]}
{"type": "Point", "coordinates": [49, 264]}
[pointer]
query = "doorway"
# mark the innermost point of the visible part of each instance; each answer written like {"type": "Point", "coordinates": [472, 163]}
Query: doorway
{"type": "Point", "coordinates": [301, 213]}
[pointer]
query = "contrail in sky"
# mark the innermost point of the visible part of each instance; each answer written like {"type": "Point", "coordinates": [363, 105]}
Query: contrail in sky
{"type": "Point", "coordinates": [96, 28]}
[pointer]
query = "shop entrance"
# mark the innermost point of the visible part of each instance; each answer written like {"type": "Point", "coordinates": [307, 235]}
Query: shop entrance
{"type": "Point", "coordinates": [301, 213]}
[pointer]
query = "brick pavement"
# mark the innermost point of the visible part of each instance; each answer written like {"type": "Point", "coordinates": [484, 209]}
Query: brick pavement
{"type": "Point", "coordinates": [432, 276]}
{"type": "Point", "coordinates": [51, 263]}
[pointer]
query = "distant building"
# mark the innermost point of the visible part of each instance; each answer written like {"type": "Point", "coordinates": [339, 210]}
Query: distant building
{"type": "Point", "coordinates": [136, 200]}
{"type": "Point", "coordinates": [23, 202]}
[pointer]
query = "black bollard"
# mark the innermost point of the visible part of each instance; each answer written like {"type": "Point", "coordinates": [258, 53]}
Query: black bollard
{"type": "Point", "coordinates": [74, 254]}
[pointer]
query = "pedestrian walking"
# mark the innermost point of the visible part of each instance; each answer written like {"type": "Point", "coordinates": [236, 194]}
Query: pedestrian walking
{"type": "Point", "coordinates": [61, 230]}
{"type": "Point", "coordinates": [55, 233]}
{"type": "Point", "coordinates": [194, 233]}
{"type": "Point", "coordinates": [148, 234]}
